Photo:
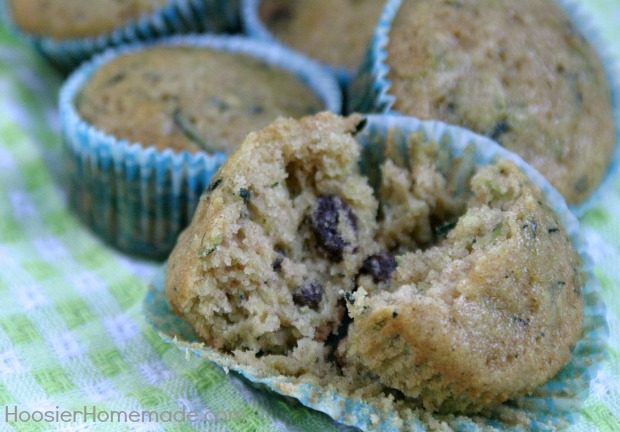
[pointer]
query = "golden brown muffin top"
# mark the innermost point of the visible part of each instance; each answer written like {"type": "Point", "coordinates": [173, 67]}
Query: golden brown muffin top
{"type": "Point", "coordinates": [66, 19]}
{"type": "Point", "coordinates": [189, 98]}
{"type": "Point", "coordinates": [336, 32]}
{"type": "Point", "coordinates": [518, 72]}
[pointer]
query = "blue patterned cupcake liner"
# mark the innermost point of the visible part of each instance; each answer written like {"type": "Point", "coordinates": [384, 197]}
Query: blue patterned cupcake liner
{"type": "Point", "coordinates": [370, 89]}
{"type": "Point", "coordinates": [138, 198]}
{"type": "Point", "coordinates": [554, 405]}
{"type": "Point", "coordinates": [178, 16]}
{"type": "Point", "coordinates": [254, 28]}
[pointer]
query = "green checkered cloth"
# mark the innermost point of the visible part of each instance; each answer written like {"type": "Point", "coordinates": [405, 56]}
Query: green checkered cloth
{"type": "Point", "coordinates": [72, 333]}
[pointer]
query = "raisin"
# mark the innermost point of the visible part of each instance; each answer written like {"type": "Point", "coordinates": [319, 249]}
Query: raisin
{"type": "Point", "coordinates": [324, 223]}
{"type": "Point", "coordinates": [277, 263]}
{"type": "Point", "coordinates": [360, 126]}
{"type": "Point", "coordinates": [380, 266]}
{"type": "Point", "coordinates": [309, 295]}
{"type": "Point", "coordinates": [349, 297]}
{"type": "Point", "coordinates": [444, 229]}
{"type": "Point", "coordinates": [520, 321]}
{"type": "Point", "coordinates": [245, 195]}
{"type": "Point", "coordinates": [213, 186]}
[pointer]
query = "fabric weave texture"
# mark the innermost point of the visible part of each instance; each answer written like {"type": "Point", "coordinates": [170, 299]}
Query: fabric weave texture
{"type": "Point", "coordinates": [72, 331]}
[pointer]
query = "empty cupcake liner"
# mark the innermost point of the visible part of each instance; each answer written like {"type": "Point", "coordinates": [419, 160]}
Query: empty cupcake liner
{"type": "Point", "coordinates": [554, 405]}
{"type": "Point", "coordinates": [370, 89]}
{"type": "Point", "coordinates": [138, 198]}
{"type": "Point", "coordinates": [178, 16]}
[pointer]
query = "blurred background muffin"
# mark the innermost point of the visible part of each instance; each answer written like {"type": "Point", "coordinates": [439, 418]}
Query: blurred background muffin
{"type": "Point", "coordinates": [68, 32]}
{"type": "Point", "coordinates": [76, 18]}
{"type": "Point", "coordinates": [146, 126]}
{"type": "Point", "coordinates": [520, 73]}
{"type": "Point", "coordinates": [190, 98]}
{"type": "Point", "coordinates": [335, 32]}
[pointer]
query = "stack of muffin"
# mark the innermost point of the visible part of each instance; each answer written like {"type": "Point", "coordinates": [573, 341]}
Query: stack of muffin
{"type": "Point", "coordinates": [409, 261]}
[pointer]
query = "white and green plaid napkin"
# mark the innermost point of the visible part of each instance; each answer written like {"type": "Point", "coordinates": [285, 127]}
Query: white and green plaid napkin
{"type": "Point", "coordinates": [72, 334]}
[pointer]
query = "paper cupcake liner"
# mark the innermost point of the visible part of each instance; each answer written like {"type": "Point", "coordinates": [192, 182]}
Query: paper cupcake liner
{"type": "Point", "coordinates": [554, 405]}
{"type": "Point", "coordinates": [254, 28]}
{"type": "Point", "coordinates": [369, 91]}
{"type": "Point", "coordinates": [178, 16]}
{"type": "Point", "coordinates": [136, 198]}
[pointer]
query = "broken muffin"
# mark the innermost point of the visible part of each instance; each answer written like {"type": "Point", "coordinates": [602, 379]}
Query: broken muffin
{"type": "Point", "coordinates": [394, 271]}
{"type": "Point", "coordinates": [277, 238]}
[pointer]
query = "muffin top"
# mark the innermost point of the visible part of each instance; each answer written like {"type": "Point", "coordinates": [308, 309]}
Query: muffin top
{"type": "Point", "coordinates": [336, 32]}
{"type": "Point", "coordinates": [190, 98]}
{"type": "Point", "coordinates": [519, 73]}
{"type": "Point", "coordinates": [66, 19]}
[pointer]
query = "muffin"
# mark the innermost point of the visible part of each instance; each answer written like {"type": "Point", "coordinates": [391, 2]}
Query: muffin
{"type": "Point", "coordinates": [521, 74]}
{"type": "Point", "coordinates": [69, 32]}
{"type": "Point", "coordinates": [461, 286]}
{"type": "Point", "coordinates": [335, 32]}
{"type": "Point", "coordinates": [146, 126]}
{"type": "Point", "coordinates": [284, 227]}
{"type": "Point", "coordinates": [75, 18]}
{"type": "Point", "coordinates": [178, 98]}
{"type": "Point", "coordinates": [490, 311]}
